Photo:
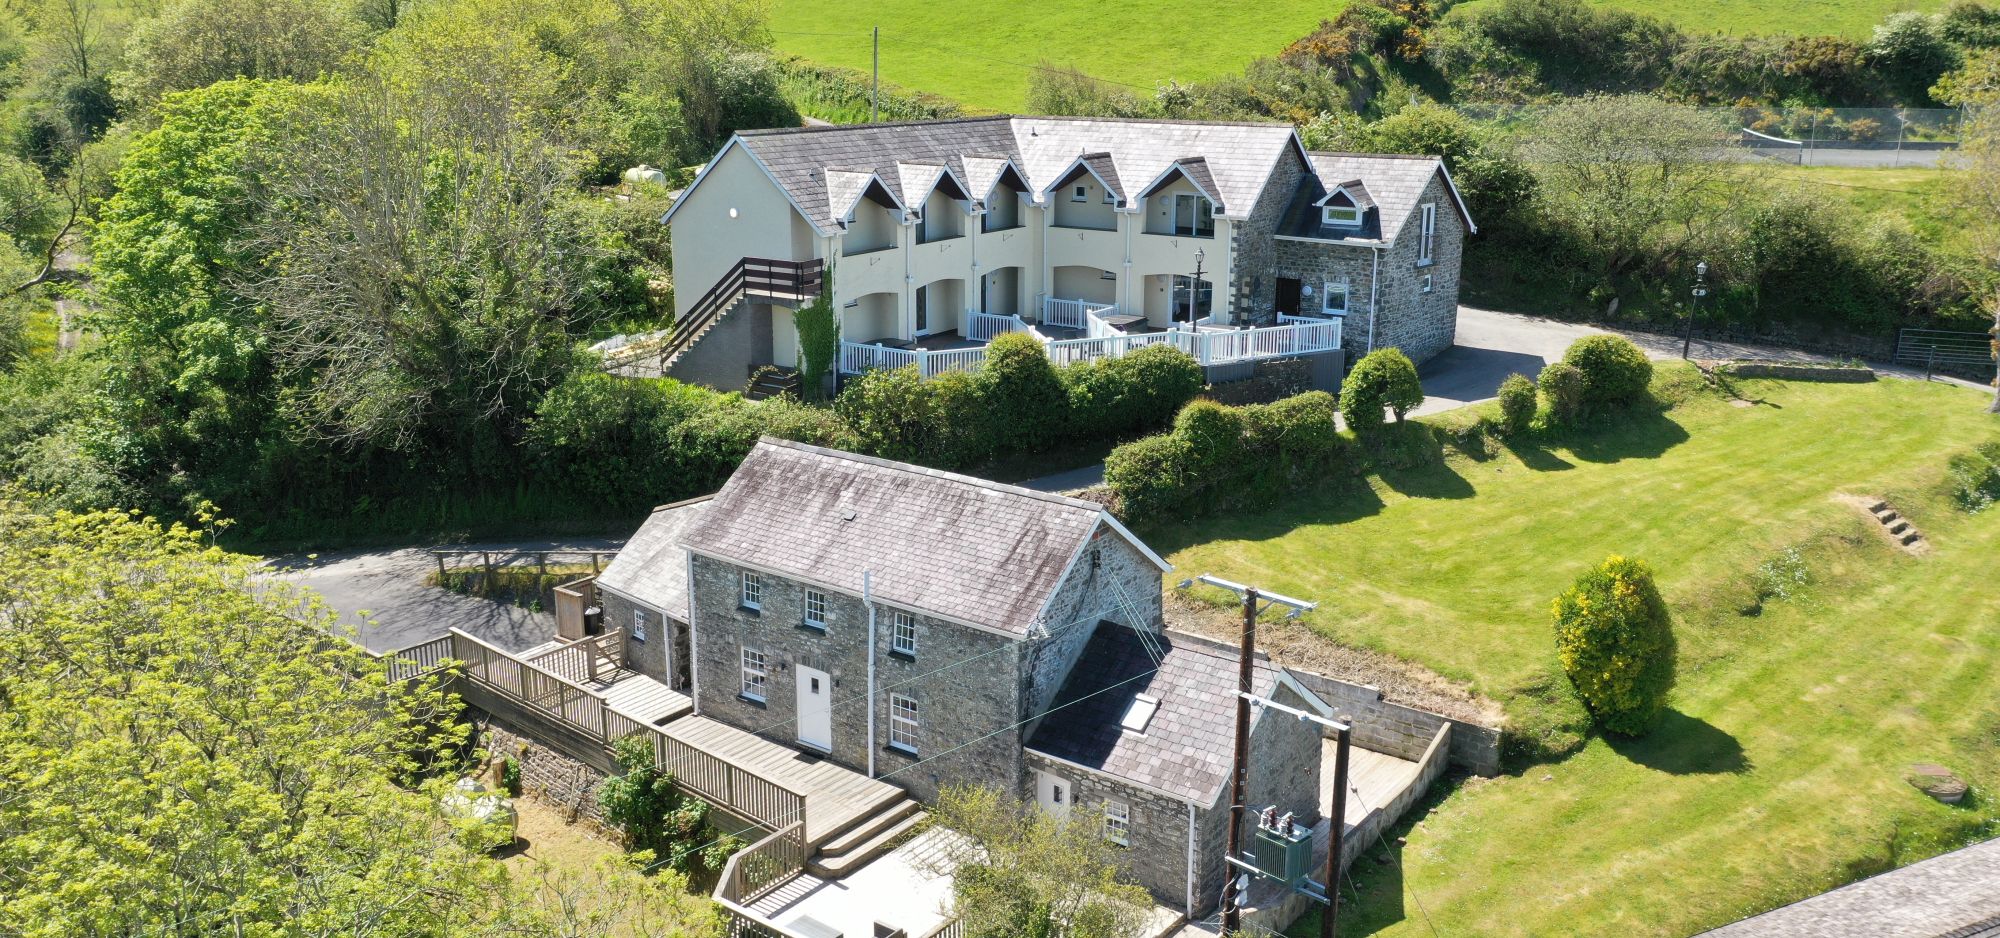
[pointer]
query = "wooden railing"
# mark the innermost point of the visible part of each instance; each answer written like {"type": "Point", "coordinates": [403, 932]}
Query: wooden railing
{"type": "Point", "coordinates": [578, 660]}
{"type": "Point", "coordinates": [722, 783]}
{"type": "Point", "coordinates": [754, 871]}
{"type": "Point", "coordinates": [752, 276]}
{"type": "Point", "coordinates": [418, 660]}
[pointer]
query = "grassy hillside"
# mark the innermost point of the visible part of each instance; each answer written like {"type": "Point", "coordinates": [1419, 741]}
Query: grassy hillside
{"type": "Point", "coordinates": [1777, 773]}
{"type": "Point", "coordinates": [984, 62]}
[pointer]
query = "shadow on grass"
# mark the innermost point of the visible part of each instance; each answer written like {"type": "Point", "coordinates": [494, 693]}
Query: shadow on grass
{"type": "Point", "coordinates": [1536, 457]}
{"type": "Point", "coordinates": [1684, 745]}
{"type": "Point", "coordinates": [1635, 434]}
{"type": "Point", "coordinates": [1433, 481]}
{"type": "Point", "coordinates": [1372, 894]}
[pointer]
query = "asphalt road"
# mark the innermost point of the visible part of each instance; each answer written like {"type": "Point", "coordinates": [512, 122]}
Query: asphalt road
{"type": "Point", "coordinates": [382, 596]}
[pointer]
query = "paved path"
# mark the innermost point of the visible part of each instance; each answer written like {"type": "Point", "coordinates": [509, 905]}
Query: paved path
{"type": "Point", "coordinates": [1492, 345]}
{"type": "Point", "coordinates": [382, 595]}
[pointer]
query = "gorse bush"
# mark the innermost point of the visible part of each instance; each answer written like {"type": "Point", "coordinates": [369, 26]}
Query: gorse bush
{"type": "Point", "coordinates": [1517, 404]}
{"type": "Point", "coordinates": [1615, 372]}
{"type": "Point", "coordinates": [1382, 378]}
{"type": "Point", "coordinates": [1615, 640]}
{"type": "Point", "coordinates": [1974, 478]}
{"type": "Point", "coordinates": [1219, 455]}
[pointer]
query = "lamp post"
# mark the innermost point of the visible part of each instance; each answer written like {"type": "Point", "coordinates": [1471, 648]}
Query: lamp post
{"type": "Point", "coordinates": [1194, 288]}
{"type": "Point", "coordinates": [1700, 290]}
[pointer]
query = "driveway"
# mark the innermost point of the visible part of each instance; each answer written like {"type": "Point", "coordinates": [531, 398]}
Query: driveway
{"type": "Point", "coordinates": [382, 596]}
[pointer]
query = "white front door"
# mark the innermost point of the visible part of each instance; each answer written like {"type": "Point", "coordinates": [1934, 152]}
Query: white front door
{"type": "Point", "coordinates": [815, 708]}
{"type": "Point", "coordinates": [1053, 793]}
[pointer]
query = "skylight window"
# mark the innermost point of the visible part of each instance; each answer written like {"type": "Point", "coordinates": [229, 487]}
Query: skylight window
{"type": "Point", "coordinates": [1141, 713]}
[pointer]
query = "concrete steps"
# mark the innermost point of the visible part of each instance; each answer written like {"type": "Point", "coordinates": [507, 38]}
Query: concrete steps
{"type": "Point", "coordinates": [867, 839]}
{"type": "Point", "coordinates": [772, 381]}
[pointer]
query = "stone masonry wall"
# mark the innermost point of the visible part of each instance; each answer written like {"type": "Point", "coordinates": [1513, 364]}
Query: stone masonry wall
{"type": "Point", "coordinates": [555, 778]}
{"type": "Point", "coordinates": [1404, 732]}
{"type": "Point", "coordinates": [954, 706]}
{"type": "Point", "coordinates": [1421, 323]}
{"type": "Point", "coordinates": [1317, 263]}
{"type": "Point", "coordinates": [1268, 381]}
{"type": "Point", "coordinates": [1111, 580]}
{"type": "Point", "coordinates": [1156, 855]}
{"type": "Point", "coordinates": [647, 656]}
{"type": "Point", "coordinates": [1253, 294]}
{"type": "Point", "coordinates": [1285, 761]}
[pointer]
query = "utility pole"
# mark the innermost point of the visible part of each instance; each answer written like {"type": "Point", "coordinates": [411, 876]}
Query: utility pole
{"type": "Point", "coordinates": [1240, 758]}
{"type": "Point", "coordinates": [1336, 831]}
{"type": "Point", "coordinates": [875, 81]}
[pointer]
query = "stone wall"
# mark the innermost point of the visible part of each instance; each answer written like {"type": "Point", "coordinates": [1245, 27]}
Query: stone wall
{"type": "Point", "coordinates": [1156, 856]}
{"type": "Point", "coordinates": [1267, 381]}
{"type": "Point", "coordinates": [1796, 371]}
{"type": "Point", "coordinates": [1253, 246]}
{"type": "Point", "coordinates": [1111, 580]}
{"type": "Point", "coordinates": [553, 777]}
{"type": "Point", "coordinates": [1421, 323]}
{"type": "Point", "coordinates": [648, 656]}
{"type": "Point", "coordinates": [954, 706]}
{"type": "Point", "coordinates": [1404, 732]}
{"type": "Point", "coordinates": [1315, 264]}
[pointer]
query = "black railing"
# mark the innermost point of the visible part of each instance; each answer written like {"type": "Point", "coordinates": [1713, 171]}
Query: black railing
{"type": "Point", "coordinates": [752, 276]}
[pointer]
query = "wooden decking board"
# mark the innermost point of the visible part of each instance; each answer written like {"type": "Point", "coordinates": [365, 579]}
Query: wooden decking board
{"type": "Point", "coordinates": [836, 797]}
{"type": "Point", "coordinates": [1378, 778]}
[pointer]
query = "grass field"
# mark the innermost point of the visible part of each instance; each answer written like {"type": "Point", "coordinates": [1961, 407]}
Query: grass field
{"type": "Point", "coordinates": [985, 64]}
{"type": "Point", "coordinates": [1919, 198]}
{"type": "Point", "coordinates": [1777, 773]}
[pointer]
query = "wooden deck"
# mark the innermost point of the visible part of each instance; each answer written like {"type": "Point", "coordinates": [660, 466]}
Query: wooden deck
{"type": "Point", "coordinates": [643, 699]}
{"type": "Point", "coordinates": [836, 798]}
{"type": "Point", "coordinates": [1378, 779]}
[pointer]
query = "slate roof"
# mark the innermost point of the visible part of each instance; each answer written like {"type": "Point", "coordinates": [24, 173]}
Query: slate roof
{"type": "Point", "coordinates": [1185, 748]}
{"type": "Point", "coordinates": [1394, 184]}
{"type": "Point", "coordinates": [1239, 156]}
{"type": "Point", "coordinates": [652, 568]}
{"type": "Point", "coordinates": [963, 548]}
{"type": "Point", "coordinates": [1956, 895]}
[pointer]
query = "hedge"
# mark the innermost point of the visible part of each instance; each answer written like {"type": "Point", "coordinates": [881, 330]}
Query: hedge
{"type": "Point", "coordinates": [1218, 455]}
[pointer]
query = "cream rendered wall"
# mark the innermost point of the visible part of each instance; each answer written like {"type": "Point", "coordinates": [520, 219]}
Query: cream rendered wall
{"type": "Point", "coordinates": [875, 316]}
{"type": "Point", "coordinates": [708, 242]}
{"type": "Point", "coordinates": [1092, 212]}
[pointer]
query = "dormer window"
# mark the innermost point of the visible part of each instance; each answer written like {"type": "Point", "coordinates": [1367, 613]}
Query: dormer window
{"type": "Point", "coordinates": [1340, 216]}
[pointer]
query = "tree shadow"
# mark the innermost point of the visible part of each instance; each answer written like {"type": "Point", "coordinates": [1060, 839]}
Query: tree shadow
{"type": "Point", "coordinates": [1436, 480]}
{"type": "Point", "coordinates": [1680, 744]}
{"type": "Point", "coordinates": [1537, 458]}
{"type": "Point", "coordinates": [519, 847]}
{"type": "Point", "coordinates": [1639, 433]}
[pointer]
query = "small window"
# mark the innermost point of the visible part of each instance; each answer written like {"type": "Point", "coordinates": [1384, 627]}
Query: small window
{"type": "Point", "coordinates": [816, 609]}
{"type": "Point", "coordinates": [903, 634]}
{"type": "Point", "coordinates": [1427, 238]}
{"type": "Point", "coordinates": [1140, 713]}
{"type": "Point", "coordinates": [1333, 299]}
{"type": "Point", "coordinates": [639, 625]}
{"type": "Point", "coordinates": [1080, 194]}
{"type": "Point", "coordinates": [753, 674]}
{"type": "Point", "coordinates": [1429, 283]}
{"type": "Point", "coordinates": [903, 723]}
{"type": "Point", "coordinates": [1110, 199]}
{"type": "Point", "coordinates": [1340, 217]}
{"type": "Point", "coordinates": [753, 591]}
{"type": "Point", "coordinates": [1118, 823]}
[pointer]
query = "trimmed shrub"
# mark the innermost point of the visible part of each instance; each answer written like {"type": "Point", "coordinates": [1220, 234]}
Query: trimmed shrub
{"type": "Point", "coordinates": [1616, 642]}
{"type": "Point", "coordinates": [1150, 475]}
{"type": "Point", "coordinates": [892, 413]}
{"type": "Point", "coordinates": [1135, 392]}
{"type": "Point", "coordinates": [606, 436]}
{"type": "Point", "coordinates": [1615, 372]}
{"type": "Point", "coordinates": [1563, 386]}
{"type": "Point", "coordinates": [1298, 430]}
{"type": "Point", "coordinates": [1029, 404]}
{"type": "Point", "coordinates": [1517, 404]}
{"type": "Point", "coordinates": [1214, 434]}
{"type": "Point", "coordinates": [1382, 378]}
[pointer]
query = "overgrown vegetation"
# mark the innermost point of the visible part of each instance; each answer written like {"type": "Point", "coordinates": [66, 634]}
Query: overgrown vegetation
{"type": "Point", "coordinates": [663, 826]}
{"type": "Point", "coordinates": [1017, 870]}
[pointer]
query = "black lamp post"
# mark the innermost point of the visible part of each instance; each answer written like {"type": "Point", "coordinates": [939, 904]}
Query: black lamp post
{"type": "Point", "coordinates": [1700, 290]}
{"type": "Point", "coordinates": [1194, 289]}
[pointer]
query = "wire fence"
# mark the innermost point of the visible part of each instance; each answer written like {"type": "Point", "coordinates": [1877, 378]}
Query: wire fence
{"type": "Point", "coordinates": [1806, 136]}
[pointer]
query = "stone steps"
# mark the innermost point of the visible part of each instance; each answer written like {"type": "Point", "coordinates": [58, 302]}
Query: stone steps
{"type": "Point", "coordinates": [1899, 528]}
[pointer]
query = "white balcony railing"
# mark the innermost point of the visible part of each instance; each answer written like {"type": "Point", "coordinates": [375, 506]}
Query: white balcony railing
{"type": "Point", "coordinates": [1211, 345]}
{"type": "Point", "coordinates": [1070, 314]}
{"type": "Point", "coordinates": [983, 327]}
{"type": "Point", "coordinates": [856, 357]}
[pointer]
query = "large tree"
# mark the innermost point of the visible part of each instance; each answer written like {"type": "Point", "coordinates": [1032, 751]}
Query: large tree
{"type": "Point", "coordinates": [196, 43]}
{"type": "Point", "coordinates": [1976, 87]}
{"type": "Point", "coordinates": [1632, 175]}
{"type": "Point", "coordinates": [1017, 871]}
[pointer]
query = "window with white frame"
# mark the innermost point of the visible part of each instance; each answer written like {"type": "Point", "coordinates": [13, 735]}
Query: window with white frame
{"type": "Point", "coordinates": [753, 590]}
{"type": "Point", "coordinates": [903, 634]}
{"type": "Point", "coordinates": [753, 674]}
{"type": "Point", "coordinates": [1427, 235]}
{"type": "Point", "coordinates": [903, 723]}
{"type": "Point", "coordinates": [1080, 194]}
{"type": "Point", "coordinates": [1340, 216]}
{"type": "Point", "coordinates": [1110, 199]}
{"type": "Point", "coordinates": [1429, 283]}
{"type": "Point", "coordinates": [816, 609]}
{"type": "Point", "coordinates": [1118, 822]}
{"type": "Point", "coordinates": [639, 617]}
{"type": "Point", "coordinates": [1333, 299]}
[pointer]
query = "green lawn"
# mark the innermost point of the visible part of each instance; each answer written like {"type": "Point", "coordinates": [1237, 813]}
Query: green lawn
{"type": "Point", "coordinates": [1918, 198]}
{"type": "Point", "coordinates": [1778, 772]}
{"type": "Point", "coordinates": [985, 63]}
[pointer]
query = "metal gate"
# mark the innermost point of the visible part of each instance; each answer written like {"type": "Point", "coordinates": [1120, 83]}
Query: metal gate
{"type": "Point", "coordinates": [1939, 349]}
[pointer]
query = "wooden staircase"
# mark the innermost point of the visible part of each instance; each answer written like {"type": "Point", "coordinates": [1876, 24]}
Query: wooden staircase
{"type": "Point", "coordinates": [770, 381]}
{"type": "Point", "coordinates": [752, 277]}
{"type": "Point", "coordinates": [868, 838]}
